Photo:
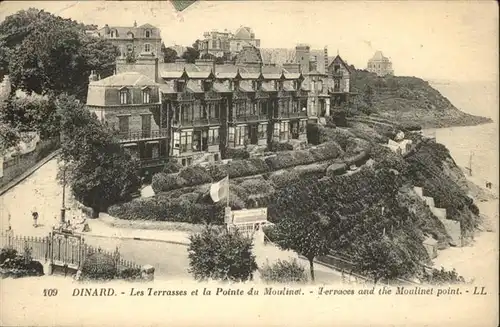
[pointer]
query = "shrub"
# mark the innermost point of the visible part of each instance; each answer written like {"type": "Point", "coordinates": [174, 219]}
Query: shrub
{"type": "Point", "coordinates": [221, 255]}
{"type": "Point", "coordinates": [195, 175]}
{"type": "Point", "coordinates": [172, 167]}
{"type": "Point", "coordinates": [237, 154]}
{"type": "Point", "coordinates": [217, 172]}
{"type": "Point", "coordinates": [284, 272]}
{"type": "Point", "coordinates": [257, 186]}
{"type": "Point", "coordinates": [166, 182]}
{"type": "Point", "coordinates": [99, 266]}
{"type": "Point", "coordinates": [443, 277]}
{"type": "Point", "coordinates": [280, 146]}
{"type": "Point", "coordinates": [7, 253]}
{"type": "Point", "coordinates": [130, 274]}
{"type": "Point", "coordinates": [249, 167]}
{"type": "Point", "coordinates": [281, 179]}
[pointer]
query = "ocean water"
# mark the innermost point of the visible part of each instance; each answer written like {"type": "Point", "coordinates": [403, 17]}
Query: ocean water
{"type": "Point", "coordinates": [477, 98]}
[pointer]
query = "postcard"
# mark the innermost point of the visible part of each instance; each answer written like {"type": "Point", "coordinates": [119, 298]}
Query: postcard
{"type": "Point", "coordinates": [249, 163]}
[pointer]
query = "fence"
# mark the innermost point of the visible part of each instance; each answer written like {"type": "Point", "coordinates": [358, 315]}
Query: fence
{"type": "Point", "coordinates": [60, 249]}
{"type": "Point", "coordinates": [15, 166]}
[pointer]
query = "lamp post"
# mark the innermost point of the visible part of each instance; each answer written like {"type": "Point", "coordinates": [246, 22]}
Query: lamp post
{"type": "Point", "coordinates": [63, 208]}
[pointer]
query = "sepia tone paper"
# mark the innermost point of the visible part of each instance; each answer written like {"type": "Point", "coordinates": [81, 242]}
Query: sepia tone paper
{"type": "Point", "coordinates": [451, 45]}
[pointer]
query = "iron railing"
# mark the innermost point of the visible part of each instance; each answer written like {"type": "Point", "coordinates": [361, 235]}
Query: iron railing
{"type": "Point", "coordinates": [143, 135]}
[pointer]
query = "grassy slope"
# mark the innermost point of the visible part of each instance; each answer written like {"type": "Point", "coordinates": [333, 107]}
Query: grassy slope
{"type": "Point", "coordinates": [412, 100]}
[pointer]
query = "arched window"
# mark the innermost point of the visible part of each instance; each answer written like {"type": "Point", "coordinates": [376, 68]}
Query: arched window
{"type": "Point", "coordinates": [130, 48]}
{"type": "Point", "coordinates": [148, 33]}
{"type": "Point", "coordinates": [147, 47]}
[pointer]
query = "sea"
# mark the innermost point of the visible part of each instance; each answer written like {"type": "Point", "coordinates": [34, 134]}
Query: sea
{"type": "Point", "coordinates": [474, 146]}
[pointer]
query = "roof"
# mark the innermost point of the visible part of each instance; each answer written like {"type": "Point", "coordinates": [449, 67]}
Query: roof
{"type": "Point", "coordinates": [268, 87]}
{"type": "Point", "coordinates": [194, 86]}
{"type": "Point", "coordinates": [221, 88]}
{"type": "Point", "coordinates": [243, 32]}
{"type": "Point", "coordinates": [246, 86]}
{"type": "Point", "coordinates": [166, 88]}
{"type": "Point", "coordinates": [124, 79]}
{"type": "Point", "coordinates": [379, 56]}
{"type": "Point", "coordinates": [136, 31]}
{"type": "Point", "coordinates": [337, 58]}
{"type": "Point", "coordinates": [291, 75]}
{"type": "Point", "coordinates": [277, 56]}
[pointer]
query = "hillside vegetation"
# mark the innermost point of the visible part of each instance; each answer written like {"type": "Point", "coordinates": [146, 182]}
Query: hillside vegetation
{"type": "Point", "coordinates": [409, 100]}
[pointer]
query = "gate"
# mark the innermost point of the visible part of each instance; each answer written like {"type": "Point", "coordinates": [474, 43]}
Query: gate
{"type": "Point", "coordinates": [66, 249]}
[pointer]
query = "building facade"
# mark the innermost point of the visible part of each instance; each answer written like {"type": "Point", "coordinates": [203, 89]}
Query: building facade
{"type": "Point", "coordinates": [226, 43]}
{"type": "Point", "coordinates": [130, 103]}
{"type": "Point", "coordinates": [134, 40]}
{"type": "Point", "coordinates": [380, 65]}
{"type": "Point", "coordinates": [193, 112]}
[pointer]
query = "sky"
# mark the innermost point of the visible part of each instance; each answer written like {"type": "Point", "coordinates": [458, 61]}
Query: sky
{"type": "Point", "coordinates": [448, 40]}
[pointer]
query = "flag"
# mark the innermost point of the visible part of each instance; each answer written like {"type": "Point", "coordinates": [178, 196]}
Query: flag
{"type": "Point", "coordinates": [220, 189]}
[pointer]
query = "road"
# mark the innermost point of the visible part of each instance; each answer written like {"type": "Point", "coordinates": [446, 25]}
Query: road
{"type": "Point", "coordinates": [42, 191]}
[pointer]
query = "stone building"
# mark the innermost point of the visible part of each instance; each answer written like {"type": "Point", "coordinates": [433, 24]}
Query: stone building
{"type": "Point", "coordinates": [134, 39]}
{"type": "Point", "coordinates": [221, 43]}
{"type": "Point", "coordinates": [193, 112]}
{"type": "Point", "coordinates": [130, 103]}
{"type": "Point", "coordinates": [380, 65]}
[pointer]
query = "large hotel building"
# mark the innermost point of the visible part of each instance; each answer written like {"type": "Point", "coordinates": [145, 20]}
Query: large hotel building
{"type": "Point", "coordinates": [192, 113]}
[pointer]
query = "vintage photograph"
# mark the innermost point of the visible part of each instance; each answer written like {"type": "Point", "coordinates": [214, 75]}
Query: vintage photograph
{"type": "Point", "coordinates": [292, 144]}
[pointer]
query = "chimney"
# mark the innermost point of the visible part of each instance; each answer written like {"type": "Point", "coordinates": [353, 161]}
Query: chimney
{"type": "Point", "coordinates": [106, 29]}
{"type": "Point", "coordinates": [135, 23]}
{"type": "Point", "coordinates": [93, 77]}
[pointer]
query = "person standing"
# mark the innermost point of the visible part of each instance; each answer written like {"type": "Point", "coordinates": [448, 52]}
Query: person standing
{"type": "Point", "coordinates": [35, 217]}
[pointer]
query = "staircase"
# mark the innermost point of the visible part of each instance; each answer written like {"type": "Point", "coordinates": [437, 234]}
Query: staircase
{"type": "Point", "coordinates": [452, 227]}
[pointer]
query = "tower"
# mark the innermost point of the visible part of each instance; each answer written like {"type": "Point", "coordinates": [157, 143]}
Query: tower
{"type": "Point", "coordinates": [302, 57]}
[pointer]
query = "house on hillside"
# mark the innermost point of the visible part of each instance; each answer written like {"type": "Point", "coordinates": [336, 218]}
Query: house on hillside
{"type": "Point", "coordinates": [380, 64]}
{"type": "Point", "coordinates": [227, 43]}
{"type": "Point", "coordinates": [134, 39]}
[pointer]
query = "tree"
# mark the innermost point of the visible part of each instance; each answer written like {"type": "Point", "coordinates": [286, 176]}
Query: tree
{"type": "Point", "coordinates": [100, 172]}
{"type": "Point", "coordinates": [301, 228]}
{"type": "Point", "coordinates": [169, 54]}
{"type": "Point", "coordinates": [190, 55]}
{"type": "Point", "coordinates": [221, 255]}
{"type": "Point", "coordinates": [368, 95]}
{"type": "Point", "coordinates": [48, 53]}
{"type": "Point", "coordinates": [284, 272]}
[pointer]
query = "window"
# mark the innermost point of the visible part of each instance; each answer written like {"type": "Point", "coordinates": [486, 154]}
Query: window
{"type": "Point", "coordinates": [124, 97]}
{"type": "Point", "coordinates": [123, 124]}
{"type": "Point", "coordinates": [145, 96]}
{"type": "Point", "coordinates": [148, 33]}
{"type": "Point", "coordinates": [180, 85]}
{"type": "Point", "coordinates": [147, 47]}
{"type": "Point", "coordinates": [231, 135]}
{"type": "Point", "coordinates": [277, 130]}
{"type": "Point", "coordinates": [284, 131]}
{"type": "Point", "coordinates": [240, 134]}
{"type": "Point", "coordinates": [130, 48]}
{"type": "Point", "coordinates": [113, 33]}
{"type": "Point", "coordinates": [146, 125]}
{"type": "Point", "coordinates": [254, 109]}
{"type": "Point", "coordinates": [207, 85]}
{"type": "Point", "coordinates": [263, 109]}
{"type": "Point", "coordinates": [336, 69]}
{"type": "Point", "coordinates": [262, 131]}
{"type": "Point", "coordinates": [186, 113]}
{"type": "Point", "coordinates": [186, 141]}
{"type": "Point", "coordinates": [214, 44]}
{"type": "Point", "coordinates": [336, 85]}
{"type": "Point", "coordinates": [213, 136]}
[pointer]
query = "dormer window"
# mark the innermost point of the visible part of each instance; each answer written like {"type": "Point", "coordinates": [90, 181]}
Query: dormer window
{"type": "Point", "coordinates": [207, 85]}
{"type": "Point", "coordinates": [124, 98]}
{"type": "Point", "coordinates": [147, 47]}
{"type": "Point", "coordinates": [148, 33]}
{"type": "Point", "coordinates": [180, 85]}
{"type": "Point", "coordinates": [146, 92]}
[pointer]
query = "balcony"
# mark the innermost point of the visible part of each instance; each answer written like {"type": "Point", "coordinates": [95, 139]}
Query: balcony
{"type": "Point", "coordinates": [143, 135]}
{"type": "Point", "coordinates": [196, 122]}
{"type": "Point", "coordinates": [250, 118]}
{"type": "Point", "coordinates": [293, 114]}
